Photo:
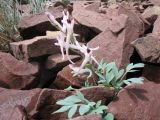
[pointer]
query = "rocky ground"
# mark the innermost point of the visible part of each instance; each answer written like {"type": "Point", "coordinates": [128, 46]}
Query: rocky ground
{"type": "Point", "coordinates": [33, 75]}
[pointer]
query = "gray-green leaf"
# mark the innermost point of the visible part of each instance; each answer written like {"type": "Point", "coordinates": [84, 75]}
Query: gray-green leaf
{"type": "Point", "coordinates": [72, 111]}
{"type": "Point", "coordinates": [84, 109]}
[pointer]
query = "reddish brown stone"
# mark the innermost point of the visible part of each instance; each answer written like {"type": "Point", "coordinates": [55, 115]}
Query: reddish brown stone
{"type": "Point", "coordinates": [156, 29]}
{"type": "Point", "coordinates": [97, 93]}
{"type": "Point", "coordinates": [33, 48]}
{"type": "Point", "coordinates": [148, 48]}
{"type": "Point", "coordinates": [155, 2]}
{"type": "Point", "coordinates": [17, 74]}
{"type": "Point", "coordinates": [16, 113]}
{"type": "Point", "coordinates": [152, 72]}
{"type": "Point", "coordinates": [38, 24]}
{"type": "Point", "coordinates": [137, 102]}
{"type": "Point", "coordinates": [65, 79]}
{"type": "Point", "coordinates": [12, 98]}
{"type": "Point", "coordinates": [116, 47]}
{"type": "Point", "coordinates": [55, 61]}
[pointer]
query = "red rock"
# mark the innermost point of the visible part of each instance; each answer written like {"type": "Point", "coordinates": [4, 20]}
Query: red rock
{"type": "Point", "coordinates": [155, 2]}
{"type": "Point", "coordinates": [151, 13]}
{"type": "Point", "coordinates": [38, 24]}
{"type": "Point", "coordinates": [137, 102]}
{"type": "Point", "coordinates": [65, 79]}
{"type": "Point", "coordinates": [98, 22]}
{"type": "Point", "coordinates": [96, 93]}
{"type": "Point", "coordinates": [89, 117]}
{"type": "Point", "coordinates": [17, 74]}
{"type": "Point", "coordinates": [116, 46]}
{"type": "Point", "coordinates": [16, 113]}
{"type": "Point", "coordinates": [144, 47]}
{"type": "Point", "coordinates": [152, 72]}
{"type": "Point", "coordinates": [56, 62]}
{"type": "Point", "coordinates": [33, 48]}
{"type": "Point", "coordinates": [156, 29]}
{"type": "Point", "coordinates": [12, 98]}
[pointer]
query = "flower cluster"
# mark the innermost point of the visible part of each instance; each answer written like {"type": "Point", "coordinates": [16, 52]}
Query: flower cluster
{"type": "Point", "coordinates": [67, 40]}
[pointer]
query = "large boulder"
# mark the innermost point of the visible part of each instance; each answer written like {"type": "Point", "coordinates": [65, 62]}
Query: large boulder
{"type": "Point", "coordinates": [34, 48]}
{"type": "Point", "coordinates": [137, 102]}
{"type": "Point", "coordinates": [38, 24]}
{"type": "Point", "coordinates": [114, 42]}
{"type": "Point", "coordinates": [148, 48]}
{"type": "Point", "coordinates": [17, 74]}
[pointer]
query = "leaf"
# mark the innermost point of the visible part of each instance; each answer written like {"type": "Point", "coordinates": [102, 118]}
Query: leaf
{"type": "Point", "coordinates": [133, 80]}
{"type": "Point", "coordinates": [72, 111]}
{"type": "Point", "coordinates": [110, 66]}
{"type": "Point", "coordinates": [79, 95]}
{"type": "Point", "coordinates": [100, 75]}
{"type": "Point", "coordinates": [109, 116]}
{"type": "Point", "coordinates": [120, 74]}
{"type": "Point", "coordinates": [84, 109]}
{"type": "Point", "coordinates": [73, 99]}
{"type": "Point", "coordinates": [109, 77]}
{"type": "Point", "coordinates": [133, 70]}
{"type": "Point", "coordinates": [63, 109]}
{"type": "Point", "coordinates": [98, 103]}
{"type": "Point", "coordinates": [100, 109]}
{"type": "Point", "coordinates": [139, 65]}
{"type": "Point", "coordinates": [62, 102]}
{"type": "Point", "coordinates": [129, 67]}
{"type": "Point", "coordinates": [91, 104]}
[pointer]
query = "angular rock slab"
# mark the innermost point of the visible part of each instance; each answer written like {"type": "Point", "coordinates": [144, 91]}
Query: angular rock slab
{"type": "Point", "coordinates": [148, 48]}
{"type": "Point", "coordinates": [151, 13]}
{"type": "Point", "coordinates": [33, 48]}
{"type": "Point", "coordinates": [114, 42]}
{"type": "Point", "coordinates": [155, 2]}
{"type": "Point", "coordinates": [13, 98]}
{"type": "Point", "coordinates": [17, 74]}
{"type": "Point", "coordinates": [38, 24]}
{"type": "Point", "coordinates": [90, 18]}
{"type": "Point", "coordinates": [156, 29]}
{"type": "Point", "coordinates": [137, 102]}
{"type": "Point", "coordinates": [16, 113]}
{"type": "Point", "coordinates": [55, 61]}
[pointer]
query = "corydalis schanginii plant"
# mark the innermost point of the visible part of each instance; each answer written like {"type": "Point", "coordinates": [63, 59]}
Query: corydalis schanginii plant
{"type": "Point", "coordinates": [79, 103]}
{"type": "Point", "coordinates": [67, 40]}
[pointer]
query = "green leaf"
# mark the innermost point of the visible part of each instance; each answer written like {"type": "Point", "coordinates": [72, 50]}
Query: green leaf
{"type": "Point", "coordinates": [79, 95]}
{"type": "Point", "coordinates": [129, 67]}
{"type": "Point", "coordinates": [63, 109]}
{"type": "Point", "coordinates": [91, 104]}
{"type": "Point", "coordinates": [84, 109]}
{"type": "Point", "coordinates": [62, 102]}
{"type": "Point", "coordinates": [100, 75]}
{"type": "Point", "coordinates": [110, 66]}
{"type": "Point", "coordinates": [109, 77]}
{"type": "Point", "coordinates": [73, 99]}
{"type": "Point", "coordinates": [139, 65]}
{"type": "Point", "coordinates": [120, 74]}
{"type": "Point", "coordinates": [98, 103]}
{"type": "Point", "coordinates": [72, 111]}
{"type": "Point", "coordinates": [133, 80]}
{"type": "Point", "coordinates": [109, 116]}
